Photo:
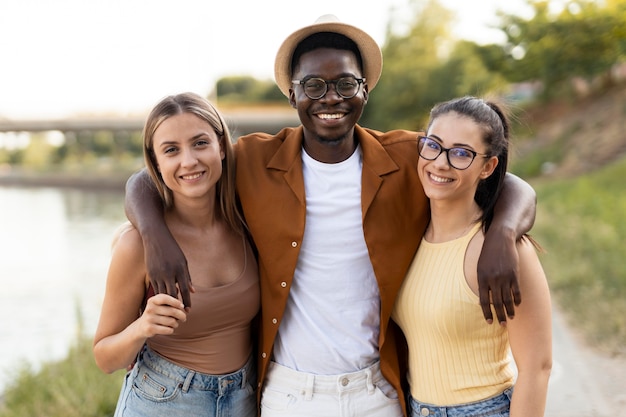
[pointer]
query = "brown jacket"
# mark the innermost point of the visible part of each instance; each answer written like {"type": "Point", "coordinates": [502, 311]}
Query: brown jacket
{"type": "Point", "coordinates": [395, 215]}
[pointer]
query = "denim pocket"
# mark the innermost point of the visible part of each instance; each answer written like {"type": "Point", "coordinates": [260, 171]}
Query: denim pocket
{"type": "Point", "coordinates": [155, 387]}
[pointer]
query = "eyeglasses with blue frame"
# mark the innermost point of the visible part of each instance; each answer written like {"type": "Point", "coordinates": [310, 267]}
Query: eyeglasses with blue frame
{"type": "Point", "coordinates": [458, 157]}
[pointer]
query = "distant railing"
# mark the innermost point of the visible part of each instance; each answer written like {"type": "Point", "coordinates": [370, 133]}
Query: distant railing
{"type": "Point", "coordinates": [239, 122]}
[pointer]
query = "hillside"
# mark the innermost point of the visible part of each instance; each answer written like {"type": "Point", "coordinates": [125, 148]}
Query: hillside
{"type": "Point", "coordinates": [568, 138]}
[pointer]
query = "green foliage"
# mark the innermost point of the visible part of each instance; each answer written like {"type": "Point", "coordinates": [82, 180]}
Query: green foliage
{"type": "Point", "coordinates": [535, 162]}
{"type": "Point", "coordinates": [246, 89]}
{"type": "Point", "coordinates": [406, 91]}
{"type": "Point", "coordinates": [72, 387]}
{"type": "Point", "coordinates": [586, 39]}
{"type": "Point", "coordinates": [15, 156]}
{"type": "Point", "coordinates": [465, 73]}
{"type": "Point", "coordinates": [103, 152]}
{"type": "Point", "coordinates": [102, 143]}
{"type": "Point", "coordinates": [38, 153]}
{"type": "Point", "coordinates": [424, 66]}
{"type": "Point", "coordinates": [581, 223]}
{"type": "Point", "coordinates": [131, 144]}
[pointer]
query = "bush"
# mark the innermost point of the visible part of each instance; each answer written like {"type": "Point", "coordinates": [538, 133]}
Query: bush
{"type": "Point", "coordinates": [73, 387]}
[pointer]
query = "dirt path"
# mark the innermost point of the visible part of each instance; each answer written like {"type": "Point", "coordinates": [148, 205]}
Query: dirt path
{"type": "Point", "coordinates": [584, 382]}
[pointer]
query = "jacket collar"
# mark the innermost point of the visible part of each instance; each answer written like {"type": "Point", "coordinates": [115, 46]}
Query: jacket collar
{"type": "Point", "coordinates": [374, 155]}
{"type": "Point", "coordinates": [376, 163]}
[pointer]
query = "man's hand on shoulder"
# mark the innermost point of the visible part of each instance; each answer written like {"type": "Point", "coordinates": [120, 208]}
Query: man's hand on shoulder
{"type": "Point", "coordinates": [498, 272]}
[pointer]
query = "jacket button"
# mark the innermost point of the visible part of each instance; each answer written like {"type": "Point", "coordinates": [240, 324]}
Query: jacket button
{"type": "Point", "coordinates": [283, 284]}
{"type": "Point", "coordinates": [263, 355]}
{"type": "Point", "coordinates": [274, 321]}
{"type": "Point", "coordinates": [294, 244]}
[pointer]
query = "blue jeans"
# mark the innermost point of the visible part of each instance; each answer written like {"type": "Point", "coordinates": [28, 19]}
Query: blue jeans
{"type": "Point", "coordinates": [158, 387]}
{"type": "Point", "coordinates": [497, 406]}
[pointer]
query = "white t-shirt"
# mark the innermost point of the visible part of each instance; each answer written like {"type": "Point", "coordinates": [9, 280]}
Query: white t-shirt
{"type": "Point", "coordinates": [331, 321]}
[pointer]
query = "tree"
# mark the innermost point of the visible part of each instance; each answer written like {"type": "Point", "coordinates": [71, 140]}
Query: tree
{"type": "Point", "coordinates": [38, 153]}
{"type": "Point", "coordinates": [423, 66]}
{"type": "Point", "coordinates": [247, 89]}
{"type": "Point", "coordinates": [584, 39]}
{"type": "Point", "coordinates": [410, 60]}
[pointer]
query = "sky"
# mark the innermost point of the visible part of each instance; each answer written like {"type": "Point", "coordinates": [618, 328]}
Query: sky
{"type": "Point", "coordinates": [62, 58]}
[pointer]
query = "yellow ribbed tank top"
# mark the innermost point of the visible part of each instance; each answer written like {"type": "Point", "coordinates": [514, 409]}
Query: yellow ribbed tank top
{"type": "Point", "coordinates": [455, 357]}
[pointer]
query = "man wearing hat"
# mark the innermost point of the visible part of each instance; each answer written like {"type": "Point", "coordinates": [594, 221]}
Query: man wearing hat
{"type": "Point", "coordinates": [336, 212]}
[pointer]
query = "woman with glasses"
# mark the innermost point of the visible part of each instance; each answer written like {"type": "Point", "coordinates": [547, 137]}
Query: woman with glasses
{"type": "Point", "coordinates": [458, 364]}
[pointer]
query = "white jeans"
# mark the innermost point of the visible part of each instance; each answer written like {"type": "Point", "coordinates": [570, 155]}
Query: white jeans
{"type": "Point", "coordinates": [298, 394]}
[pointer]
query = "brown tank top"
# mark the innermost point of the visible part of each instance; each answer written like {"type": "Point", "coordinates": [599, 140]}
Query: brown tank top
{"type": "Point", "coordinates": [216, 338]}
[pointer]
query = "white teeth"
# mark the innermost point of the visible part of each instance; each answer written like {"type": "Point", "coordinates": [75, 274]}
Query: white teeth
{"type": "Point", "coordinates": [439, 179]}
{"type": "Point", "coordinates": [326, 116]}
{"type": "Point", "coordinates": [191, 177]}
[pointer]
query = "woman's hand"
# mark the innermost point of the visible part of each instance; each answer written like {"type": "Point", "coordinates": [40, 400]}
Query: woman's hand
{"type": "Point", "coordinates": [162, 315]}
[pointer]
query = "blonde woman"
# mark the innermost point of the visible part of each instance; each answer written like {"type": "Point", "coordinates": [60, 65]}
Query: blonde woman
{"type": "Point", "coordinates": [188, 361]}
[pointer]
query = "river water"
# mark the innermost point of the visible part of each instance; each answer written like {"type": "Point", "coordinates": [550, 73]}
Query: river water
{"type": "Point", "coordinates": [54, 255]}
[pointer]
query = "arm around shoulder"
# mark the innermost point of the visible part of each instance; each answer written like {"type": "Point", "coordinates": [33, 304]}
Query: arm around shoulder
{"type": "Point", "coordinates": [514, 215]}
{"type": "Point", "coordinates": [516, 207]}
{"type": "Point", "coordinates": [165, 261]}
{"type": "Point", "coordinates": [142, 202]}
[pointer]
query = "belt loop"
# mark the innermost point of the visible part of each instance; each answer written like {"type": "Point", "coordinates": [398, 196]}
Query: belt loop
{"type": "Point", "coordinates": [244, 376]}
{"type": "Point", "coordinates": [308, 389]}
{"type": "Point", "coordinates": [187, 382]}
{"type": "Point", "coordinates": [370, 381]}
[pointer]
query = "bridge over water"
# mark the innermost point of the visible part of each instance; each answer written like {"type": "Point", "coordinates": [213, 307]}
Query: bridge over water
{"type": "Point", "coordinates": [240, 122]}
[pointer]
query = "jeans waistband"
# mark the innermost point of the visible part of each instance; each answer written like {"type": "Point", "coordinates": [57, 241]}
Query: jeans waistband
{"type": "Point", "coordinates": [189, 378]}
{"type": "Point", "coordinates": [490, 406]}
{"type": "Point", "coordinates": [308, 384]}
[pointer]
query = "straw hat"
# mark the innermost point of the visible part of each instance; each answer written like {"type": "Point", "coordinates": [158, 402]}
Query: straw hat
{"type": "Point", "coordinates": [370, 51]}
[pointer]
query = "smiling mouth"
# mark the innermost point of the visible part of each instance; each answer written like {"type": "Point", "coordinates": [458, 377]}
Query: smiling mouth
{"type": "Point", "coordinates": [438, 179]}
{"type": "Point", "coordinates": [330, 116]}
{"type": "Point", "coordinates": [192, 176]}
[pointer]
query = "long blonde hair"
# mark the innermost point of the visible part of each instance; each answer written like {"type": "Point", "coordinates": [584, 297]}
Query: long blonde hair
{"type": "Point", "coordinates": [226, 206]}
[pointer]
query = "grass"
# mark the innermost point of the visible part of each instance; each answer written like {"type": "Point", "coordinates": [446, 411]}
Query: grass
{"type": "Point", "coordinates": [581, 223]}
{"type": "Point", "coordinates": [73, 387]}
